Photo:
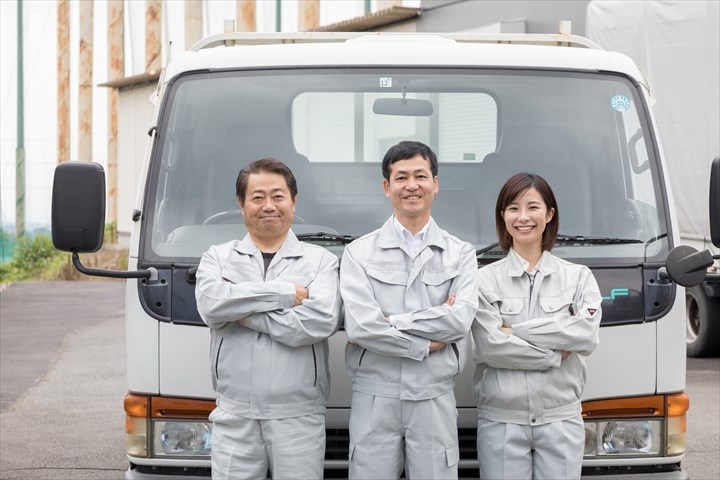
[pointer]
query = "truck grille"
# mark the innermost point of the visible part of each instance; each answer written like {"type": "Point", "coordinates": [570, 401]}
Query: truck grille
{"type": "Point", "coordinates": [337, 443]}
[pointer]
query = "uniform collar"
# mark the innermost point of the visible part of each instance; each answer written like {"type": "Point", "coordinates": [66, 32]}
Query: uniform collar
{"type": "Point", "coordinates": [404, 232]}
{"type": "Point", "coordinates": [291, 247]}
{"type": "Point", "coordinates": [517, 265]}
{"type": "Point", "coordinates": [390, 236]}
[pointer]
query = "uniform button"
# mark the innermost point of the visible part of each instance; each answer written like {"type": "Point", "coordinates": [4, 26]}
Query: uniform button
{"type": "Point", "coordinates": [533, 420]}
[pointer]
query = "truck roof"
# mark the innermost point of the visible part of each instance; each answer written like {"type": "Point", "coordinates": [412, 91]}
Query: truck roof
{"type": "Point", "coordinates": [243, 50]}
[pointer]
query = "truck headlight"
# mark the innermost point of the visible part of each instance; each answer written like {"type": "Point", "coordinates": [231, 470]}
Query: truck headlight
{"type": "Point", "coordinates": [590, 438]}
{"type": "Point", "coordinates": [623, 437]}
{"type": "Point", "coordinates": [182, 438]}
{"type": "Point", "coordinates": [649, 426]}
{"type": "Point", "coordinates": [630, 437]}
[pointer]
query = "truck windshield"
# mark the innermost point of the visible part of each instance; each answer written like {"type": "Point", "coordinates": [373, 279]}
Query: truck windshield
{"type": "Point", "coordinates": [584, 132]}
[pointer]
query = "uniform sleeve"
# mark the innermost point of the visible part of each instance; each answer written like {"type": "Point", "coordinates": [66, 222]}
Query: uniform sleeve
{"type": "Point", "coordinates": [315, 319]}
{"type": "Point", "coordinates": [491, 346]}
{"type": "Point", "coordinates": [220, 301]}
{"type": "Point", "coordinates": [365, 322]}
{"type": "Point", "coordinates": [573, 332]}
{"type": "Point", "coordinates": [445, 323]}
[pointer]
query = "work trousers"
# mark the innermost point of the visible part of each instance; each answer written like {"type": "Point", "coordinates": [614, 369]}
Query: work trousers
{"type": "Point", "coordinates": [245, 448]}
{"type": "Point", "coordinates": [389, 434]}
{"type": "Point", "coordinates": [545, 452]}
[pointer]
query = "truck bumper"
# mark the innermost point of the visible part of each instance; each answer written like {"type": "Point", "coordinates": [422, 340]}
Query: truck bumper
{"type": "Point", "coordinates": [674, 475]}
{"type": "Point", "coordinates": [167, 474]}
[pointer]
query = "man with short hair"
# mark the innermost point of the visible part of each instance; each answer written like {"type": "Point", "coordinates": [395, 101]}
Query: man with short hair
{"type": "Point", "coordinates": [271, 302]}
{"type": "Point", "coordinates": [410, 295]}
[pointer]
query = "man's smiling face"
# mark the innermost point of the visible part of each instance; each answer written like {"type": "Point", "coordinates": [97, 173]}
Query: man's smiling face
{"type": "Point", "coordinates": [411, 188]}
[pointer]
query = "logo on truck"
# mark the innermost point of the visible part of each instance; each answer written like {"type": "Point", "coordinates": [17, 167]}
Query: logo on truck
{"type": "Point", "coordinates": [617, 292]}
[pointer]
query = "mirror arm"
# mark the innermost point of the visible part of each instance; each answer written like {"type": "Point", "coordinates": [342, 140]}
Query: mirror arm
{"type": "Point", "coordinates": [151, 273]}
{"type": "Point", "coordinates": [190, 275]}
{"type": "Point", "coordinates": [663, 276]}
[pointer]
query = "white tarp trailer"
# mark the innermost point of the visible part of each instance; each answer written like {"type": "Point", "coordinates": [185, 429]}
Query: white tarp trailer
{"type": "Point", "coordinates": [677, 45]}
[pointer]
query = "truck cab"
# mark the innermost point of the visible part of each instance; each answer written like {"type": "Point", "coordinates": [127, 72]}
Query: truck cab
{"type": "Point", "coordinates": [329, 106]}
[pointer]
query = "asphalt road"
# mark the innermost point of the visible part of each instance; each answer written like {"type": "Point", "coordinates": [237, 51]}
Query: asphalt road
{"type": "Point", "coordinates": [62, 384]}
{"type": "Point", "coordinates": [62, 377]}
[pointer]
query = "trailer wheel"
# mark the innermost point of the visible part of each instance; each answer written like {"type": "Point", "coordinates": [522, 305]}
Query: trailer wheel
{"type": "Point", "coordinates": [703, 323]}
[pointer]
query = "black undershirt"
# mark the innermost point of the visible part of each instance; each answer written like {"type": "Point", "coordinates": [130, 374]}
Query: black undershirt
{"type": "Point", "coordinates": [267, 258]}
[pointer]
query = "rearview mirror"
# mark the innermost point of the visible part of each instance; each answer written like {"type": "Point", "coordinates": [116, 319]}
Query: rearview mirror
{"type": "Point", "coordinates": [409, 107]}
{"type": "Point", "coordinates": [78, 207]}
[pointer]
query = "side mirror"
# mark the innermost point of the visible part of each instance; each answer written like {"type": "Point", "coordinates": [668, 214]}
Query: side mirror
{"type": "Point", "coordinates": [685, 265]}
{"type": "Point", "coordinates": [715, 202]}
{"type": "Point", "coordinates": [78, 207]}
{"type": "Point", "coordinates": [78, 216]}
{"type": "Point", "coordinates": [688, 267]}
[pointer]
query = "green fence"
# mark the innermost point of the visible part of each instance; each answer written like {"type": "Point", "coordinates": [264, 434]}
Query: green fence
{"type": "Point", "coordinates": [7, 246]}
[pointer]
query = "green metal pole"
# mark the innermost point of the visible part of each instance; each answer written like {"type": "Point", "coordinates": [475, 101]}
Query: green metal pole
{"type": "Point", "coordinates": [278, 16]}
{"type": "Point", "coordinates": [367, 7]}
{"type": "Point", "coordinates": [20, 151]}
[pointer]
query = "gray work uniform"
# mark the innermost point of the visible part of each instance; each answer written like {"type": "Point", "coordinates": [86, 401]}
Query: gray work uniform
{"type": "Point", "coordinates": [394, 305]}
{"type": "Point", "coordinates": [275, 366]}
{"type": "Point", "coordinates": [522, 379]}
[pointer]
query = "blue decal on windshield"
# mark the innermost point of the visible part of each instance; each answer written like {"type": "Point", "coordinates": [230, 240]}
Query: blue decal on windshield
{"type": "Point", "coordinates": [620, 103]}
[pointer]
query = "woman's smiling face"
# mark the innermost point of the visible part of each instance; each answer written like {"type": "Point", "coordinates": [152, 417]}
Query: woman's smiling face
{"type": "Point", "coordinates": [526, 217]}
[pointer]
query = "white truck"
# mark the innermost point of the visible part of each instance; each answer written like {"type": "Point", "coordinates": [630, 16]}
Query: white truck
{"type": "Point", "coordinates": [329, 105]}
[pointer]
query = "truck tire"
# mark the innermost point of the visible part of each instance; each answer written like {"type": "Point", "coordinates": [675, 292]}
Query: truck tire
{"type": "Point", "coordinates": [703, 323]}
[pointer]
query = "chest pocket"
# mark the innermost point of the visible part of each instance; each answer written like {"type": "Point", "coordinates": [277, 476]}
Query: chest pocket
{"type": "Point", "coordinates": [438, 278]}
{"type": "Point", "coordinates": [303, 280]}
{"type": "Point", "coordinates": [240, 273]}
{"type": "Point", "coordinates": [512, 306]}
{"type": "Point", "coordinates": [512, 310]}
{"type": "Point", "coordinates": [391, 277]}
{"type": "Point", "coordinates": [437, 285]}
{"type": "Point", "coordinates": [562, 303]}
{"type": "Point", "coordinates": [389, 288]}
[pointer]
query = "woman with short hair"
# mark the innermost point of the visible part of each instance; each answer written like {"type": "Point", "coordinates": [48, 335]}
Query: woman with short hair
{"type": "Point", "coordinates": [539, 315]}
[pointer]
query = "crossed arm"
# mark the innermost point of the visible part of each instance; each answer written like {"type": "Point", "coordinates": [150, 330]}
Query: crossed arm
{"type": "Point", "coordinates": [290, 313]}
{"type": "Point", "coordinates": [413, 334]}
{"type": "Point", "coordinates": [539, 343]}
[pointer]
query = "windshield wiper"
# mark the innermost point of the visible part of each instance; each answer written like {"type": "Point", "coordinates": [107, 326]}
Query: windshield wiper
{"type": "Point", "coordinates": [579, 239]}
{"type": "Point", "coordinates": [587, 240]}
{"type": "Point", "coordinates": [332, 237]}
{"type": "Point", "coordinates": [480, 251]}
